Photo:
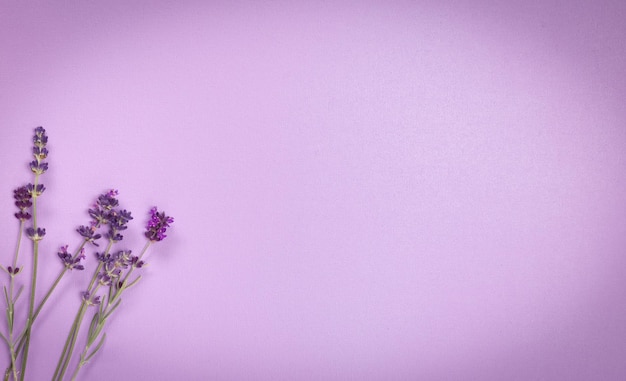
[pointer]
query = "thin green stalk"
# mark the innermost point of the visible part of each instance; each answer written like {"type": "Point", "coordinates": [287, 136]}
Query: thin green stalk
{"type": "Point", "coordinates": [85, 356]}
{"type": "Point", "coordinates": [68, 348]}
{"type": "Point", "coordinates": [33, 283]}
{"type": "Point", "coordinates": [21, 336]}
{"type": "Point", "coordinates": [11, 304]}
{"type": "Point", "coordinates": [100, 318]}
{"type": "Point", "coordinates": [74, 336]}
{"type": "Point", "coordinates": [80, 364]}
{"type": "Point", "coordinates": [65, 354]}
{"type": "Point", "coordinates": [95, 328]}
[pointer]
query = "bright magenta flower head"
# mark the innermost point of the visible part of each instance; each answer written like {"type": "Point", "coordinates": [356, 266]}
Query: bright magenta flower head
{"type": "Point", "coordinates": [157, 226]}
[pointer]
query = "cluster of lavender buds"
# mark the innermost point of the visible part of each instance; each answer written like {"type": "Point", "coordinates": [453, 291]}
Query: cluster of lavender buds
{"type": "Point", "coordinates": [89, 233]}
{"type": "Point", "coordinates": [112, 267]}
{"type": "Point", "coordinates": [23, 203]}
{"type": "Point", "coordinates": [103, 207]}
{"type": "Point", "coordinates": [104, 212]}
{"type": "Point", "coordinates": [117, 223]}
{"type": "Point", "coordinates": [157, 226]}
{"type": "Point", "coordinates": [35, 234]}
{"type": "Point", "coordinates": [39, 166]}
{"type": "Point", "coordinates": [35, 190]}
{"type": "Point", "coordinates": [89, 300]}
{"type": "Point", "coordinates": [70, 261]}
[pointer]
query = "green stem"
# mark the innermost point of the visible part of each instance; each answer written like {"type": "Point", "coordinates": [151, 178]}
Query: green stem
{"type": "Point", "coordinates": [21, 336]}
{"type": "Point", "coordinates": [11, 301]}
{"type": "Point", "coordinates": [33, 284]}
{"type": "Point", "coordinates": [19, 243]}
{"type": "Point", "coordinates": [78, 323]}
{"type": "Point", "coordinates": [71, 338]}
{"type": "Point", "coordinates": [70, 342]}
{"type": "Point", "coordinates": [102, 316]}
{"type": "Point", "coordinates": [92, 335]}
{"type": "Point", "coordinates": [79, 365]}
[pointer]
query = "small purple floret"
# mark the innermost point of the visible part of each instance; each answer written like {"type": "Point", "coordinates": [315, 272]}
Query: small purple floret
{"type": "Point", "coordinates": [35, 234]}
{"type": "Point", "coordinates": [70, 262]}
{"type": "Point", "coordinates": [89, 233]}
{"type": "Point", "coordinates": [35, 191]}
{"type": "Point", "coordinates": [89, 300]}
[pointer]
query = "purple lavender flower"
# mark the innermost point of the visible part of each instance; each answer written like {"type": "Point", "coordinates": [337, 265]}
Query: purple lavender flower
{"type": "Point", "coordinates": [124, 216]}
{"type": "Point", "coordinates": [40, 153]}
{"type": "Point", "coordinates": [70, 262]}
{"type": "Point", "coordinates": [104, 213]}
{"type": "Point", "coordinates": [105, 258]}
{"type": "Point", "coordinates": [104, 279]}
{"type": "Point", "coordinates": [40, 139]}
{"type": "Point", "coordinates": [99, 216]}
{"type": "Point", "coordinates": [13, 271]}
{"type": "Point", "coordinates": [35, 235]}
{"type": "Point", "coordinates": [38, 168]}
{"type": "Point", "coordinates": [22, 216]}
{"type": "Point", "coordinates": [119, 219]}
{"type": "Point", "coordinates": [112, 269]}
{"type": "Point", "coordinates": [89, 233]}
{"type": "Point", "coordinates": [135, 262]}
{"type": "Point", "coordinates": [107, 200]}
{"type": "Point", "coordinates": [23, 202]}
{"type": "Point", "coordinates": [114, 236]}
{"type": "Point", "coordinates": [157, 226]}
{"type": "Point", "coordinates": [89, 300]}
{"type": "Point", "coordinates": [35, 191]}
{"type": "Point", "coordinates": [104, 205]}
{"type": "Point", "coordinates": [123, 258]}
{"type": "Point", "coordinates": [117, 222]}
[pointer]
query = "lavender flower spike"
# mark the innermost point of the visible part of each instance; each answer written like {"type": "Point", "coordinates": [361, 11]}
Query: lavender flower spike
{"type": "Point", "coordinates": [157, 226]}
{"type": "Point", "coordinates": [23, 202]}
{"type": "Point", "coordinates": [40, 152]}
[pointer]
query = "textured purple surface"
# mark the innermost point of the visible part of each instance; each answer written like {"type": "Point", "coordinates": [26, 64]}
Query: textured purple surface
{"type": "Point", "coordinates": [407, 191]}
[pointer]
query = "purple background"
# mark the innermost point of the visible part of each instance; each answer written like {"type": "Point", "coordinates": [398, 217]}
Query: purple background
{"type": "Point", "coordinates": [409, 191]}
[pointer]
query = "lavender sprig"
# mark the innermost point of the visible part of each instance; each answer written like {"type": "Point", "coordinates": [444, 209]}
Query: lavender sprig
{"type": "Point", "coordinates": [117, 221]}
{"type": "Point", "coordinates": [113, 265]}
{"type": "Point", "coordinates": [157, 226]}
{"type": "Point", "coordinates": [35, 233]}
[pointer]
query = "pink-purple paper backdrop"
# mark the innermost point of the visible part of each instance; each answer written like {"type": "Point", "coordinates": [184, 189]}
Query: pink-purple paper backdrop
{"type": "Point", "coordinates": [428, 190]}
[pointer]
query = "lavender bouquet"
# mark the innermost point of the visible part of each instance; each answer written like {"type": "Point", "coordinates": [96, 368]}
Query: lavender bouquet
{"type": "Point", "coordinates": [116, 271]}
